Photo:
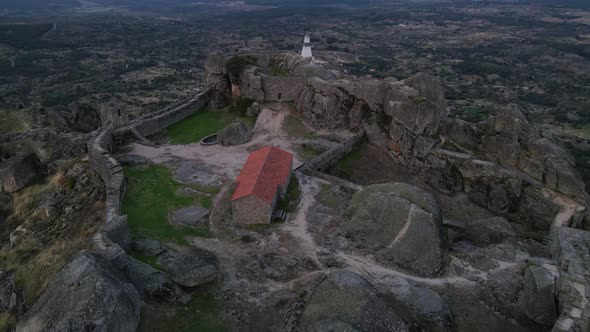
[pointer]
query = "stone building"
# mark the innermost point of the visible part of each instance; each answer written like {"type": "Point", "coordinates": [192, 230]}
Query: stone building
{"type": "Point", "coordinates": [262, 182]}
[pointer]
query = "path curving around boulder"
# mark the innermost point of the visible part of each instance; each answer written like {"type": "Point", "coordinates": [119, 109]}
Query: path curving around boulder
{"type": "Point", "coordinates": [569, 208]}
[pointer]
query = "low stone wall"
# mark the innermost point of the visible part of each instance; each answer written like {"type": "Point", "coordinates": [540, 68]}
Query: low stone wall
{"type": "Point", "coordinates": [114, 238]}
{"type": "Point", "coordinates": [115, 233]}
{"type": "Point", "coordinates": [109, 169]}
{"type": "Point", "coordinates": [329, 158]}
{"type": "Point", "coordinates": [101, 146]}
{"type": "Point", "coordinates": [570, 248]}
{"type": "Point", "coordinates": [159, 122]}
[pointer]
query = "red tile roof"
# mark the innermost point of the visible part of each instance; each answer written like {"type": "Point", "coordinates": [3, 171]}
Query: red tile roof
{"type": "Point", "coordinates": [263, 172]}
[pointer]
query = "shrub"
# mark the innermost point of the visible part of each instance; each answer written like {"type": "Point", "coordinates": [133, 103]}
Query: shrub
{"type": "Point", "coordinates": [237, 64]}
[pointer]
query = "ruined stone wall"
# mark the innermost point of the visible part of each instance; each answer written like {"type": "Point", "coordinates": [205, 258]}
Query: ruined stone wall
{"type": "Point", "coordinates": [329, 158]}
{"type": "Point", "coordinates": [101, 146]}
{"type": "Point", "coordinates": [277, 88]}
{"type": "Point", "coordinates": [570, 248]}
{"type": "Point", "coordinates": [159, 122]}
{"type": "Point", "coordinates": [109, 170]}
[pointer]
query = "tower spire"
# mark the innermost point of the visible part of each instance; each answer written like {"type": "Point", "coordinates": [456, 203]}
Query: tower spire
{"type": "Point", "coordinates": [306, 51]}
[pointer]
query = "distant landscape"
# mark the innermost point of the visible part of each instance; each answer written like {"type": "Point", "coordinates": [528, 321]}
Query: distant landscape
{"type": "Point", "coordinates": [459, 126]}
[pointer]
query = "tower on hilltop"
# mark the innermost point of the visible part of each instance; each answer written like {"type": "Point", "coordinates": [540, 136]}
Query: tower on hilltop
{"type": "Point", "coordinates": [306, 51]}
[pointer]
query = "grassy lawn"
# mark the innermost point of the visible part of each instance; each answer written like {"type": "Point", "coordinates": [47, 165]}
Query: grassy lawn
{"type": "Point", "coordinates": [204, 123]}
{"type": "Point", "coordinates": [151, 196]}
{"type": "Point", "coordinates": [197, 126]}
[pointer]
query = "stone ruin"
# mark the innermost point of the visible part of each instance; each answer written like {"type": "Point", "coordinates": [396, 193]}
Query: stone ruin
{"type": "Point", "coordinates": [503, 164]}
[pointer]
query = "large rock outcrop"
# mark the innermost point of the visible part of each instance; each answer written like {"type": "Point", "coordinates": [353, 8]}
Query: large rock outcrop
{"type": "Point", "coordinates": [400, 224]}
{"type": "Point", "coordinates": [217, 81]}
{"type": "Point", "coordinates": [89, 294]}
{"type": "Point", "coordinates": [18, 172]}
{"type": "Point", "coordinates": [504, 163]}
{"type": "Point", "coordinates": [191, 267]}
{"type": "Point", "coordinates": [538, 297]}
{"type": "Point", "coordinates": [570, 248]}
{"type": "Point", "coordinates": [83, 117]}
{"type": "Point", "coordinates": [234, 134]}
{"type": "Point", "coordinates": [324, 104]}
{"type": "Point", "coordinates": [426, 309]}
{"type": "Point", "coordinates": [345, 301]}
{"type": "Point", "coordinates": [11, 297]}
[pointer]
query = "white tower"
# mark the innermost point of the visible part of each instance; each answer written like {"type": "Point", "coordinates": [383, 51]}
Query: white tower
{"type": "Point", "coordinates": [306, 51]}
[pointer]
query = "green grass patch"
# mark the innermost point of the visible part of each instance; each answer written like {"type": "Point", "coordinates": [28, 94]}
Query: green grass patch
{"type": "Point", "coordinates": [199, 125]}
{"type": "Point", "coordinates": [295, 128]}
{"type": "Point", "coordinates": [149, 260]}
{"type": "Point", "coordinates": [278, 71]}
{"type": "Point", "coordinates": [307, 152]}
{"type": "Point", "coordinates": [473, 113]}
{"type": "Point", "coordinates": [12, 122]}
{"type": "Point", "coordinates": [240, 106]}
{"type": "Point", "coordinates": [346, 164]}
{"type": "Point", "coordinates": [151, 196]}
{"type": "Point", "coordinates": [202, 124]}
{"type": "Point", "coordinates": [213, 190]}
{"type": "Point", "coordinates": [418, 99]}
{"type": "Point", "coordinates": [292, 197]}
{"type": "Point", "coordinates": [327, 198]}
{"type": "Point", "coordinates": [202, 313]}
{"type": "Point", "coordinates": [7, 321]}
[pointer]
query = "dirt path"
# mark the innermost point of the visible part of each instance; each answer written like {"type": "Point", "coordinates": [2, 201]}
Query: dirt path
{"type": "Point", "coordinates": [363, 265]}
{"type": "Point", "coordinates": [297, 226]}
{"type": "Point", "coordinates": [380, 274]}
{"type": "Point", "coordinates": [366, 265]}
{"type": "Point", "coordinates": [568, 208]}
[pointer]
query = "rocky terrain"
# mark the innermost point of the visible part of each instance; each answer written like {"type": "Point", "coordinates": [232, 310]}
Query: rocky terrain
{"type": "Point", "coordinates": [414, 205]}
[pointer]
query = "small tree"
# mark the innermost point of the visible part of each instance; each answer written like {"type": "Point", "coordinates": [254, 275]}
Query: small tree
{"type": "Point", "coordinates": [237, 64]}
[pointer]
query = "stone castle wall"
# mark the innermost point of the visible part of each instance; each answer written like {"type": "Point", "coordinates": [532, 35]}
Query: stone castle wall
{"type": "Point", "coordinates": [109, 169]}
{"type": "Point", "coordinates": [329, 158]}
{"type": "Point", "coordinates": [114, 237]}
{"type": "Point", "coordinates": [159, 122]}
